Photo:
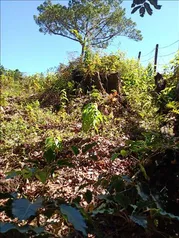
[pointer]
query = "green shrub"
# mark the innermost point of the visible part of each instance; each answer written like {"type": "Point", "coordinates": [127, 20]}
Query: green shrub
{"type": "Point", "coordinates": [91, 117]}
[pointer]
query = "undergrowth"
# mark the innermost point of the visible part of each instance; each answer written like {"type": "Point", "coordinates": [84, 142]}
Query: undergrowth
{"type": "Point", "coordinates": [52, 134]}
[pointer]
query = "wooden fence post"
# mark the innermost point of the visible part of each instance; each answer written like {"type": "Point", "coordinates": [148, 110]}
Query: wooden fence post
{"type": "Point", "coordinates": [139, 55]}
{"type": "Point", "coordinates": [155, 58]}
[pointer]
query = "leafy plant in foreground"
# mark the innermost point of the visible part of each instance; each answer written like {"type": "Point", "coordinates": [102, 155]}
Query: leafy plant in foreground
{"type": "Point", "coordinates": [91, 117]}
{"type": "Point", "coordinates": [25, 212]}
{"type": "Point", "coordinates": [136, 198]}
{"type": "Point", "coordinates": [52, 147]}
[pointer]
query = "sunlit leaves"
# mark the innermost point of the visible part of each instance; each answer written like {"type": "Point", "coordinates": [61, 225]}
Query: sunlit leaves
{"type": "Point", "coordinates": [91, 23]}
{"type": "Point", "coordinates": [26, 173]}
{"type": "Point", "coordinates": [91, 117]}
{"type": "Point", "coordinates": [42, 175]}
{"type": "Point", "coordinates": [114, 156]}
{"type": "Point", "coordinates": [52, 147]}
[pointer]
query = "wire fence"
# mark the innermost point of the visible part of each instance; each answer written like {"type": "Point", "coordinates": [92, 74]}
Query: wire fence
{"type": "Point", "coordinates": [158, 56]}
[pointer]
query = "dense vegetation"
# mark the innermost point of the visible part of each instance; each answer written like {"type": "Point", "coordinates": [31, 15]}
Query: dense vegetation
{"type": "Point", "coordinates": [79, 159]}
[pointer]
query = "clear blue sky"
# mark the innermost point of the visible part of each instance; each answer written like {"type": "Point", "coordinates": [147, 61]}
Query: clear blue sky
{"type": "Point", "coordinates": [23, 47]}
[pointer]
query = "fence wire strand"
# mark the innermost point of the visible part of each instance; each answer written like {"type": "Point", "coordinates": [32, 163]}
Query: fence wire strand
{"type": "Point", "coordinates": [148, 53]}
{"type": "Point", "coordinates": [159, 49]}
{"type": "Point", "coordinates": [147, 59]}
{"type": "Point", "coordinates": [169, 45]}
{"type": "Point", "coordinates": [167, 54]}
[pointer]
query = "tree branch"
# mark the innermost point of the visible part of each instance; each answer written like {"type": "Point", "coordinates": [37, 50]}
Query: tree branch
{"type": "Point", "coordinates": [60, 34]}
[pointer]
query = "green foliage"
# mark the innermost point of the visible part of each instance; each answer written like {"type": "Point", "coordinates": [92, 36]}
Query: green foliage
{"type": "Point", "coordinates": [138, 85]}
{"type": "Point", "coordinates": [16, 131]}
{"type": "Point", "coordinates": [133, 196]}
{"type": "Point", "coordinates": [91, 117]}
{"type": "Point", "coordinates": [84, 22]}
{"type": "Point", "coordinates": [39, 82]}
{"type": "Point", "coordinates": [167, 100]}
{"type": "Point", "coordinates": [104, 63]}
{"type": "Point", "coordinates": [169, 95]}
{"type": "Point", "coordinates": [74, 217]}
{"type": "Point", "coordinates": [63, 98]}
{"type": "Point", "coordinates": [5, 227]}
{"type": "Point", "coordinates": [137, 82]}
{"type": "Point", "coordinates": [26, 211]}
{"type": "Point", "coordinates": [95, 95]}
{"type": "Point", "coordinates": [23, 209]}
{"type": "Point", "coordinates": [52, 147]}
{"type": "Point", "coordinates": [26, 124]}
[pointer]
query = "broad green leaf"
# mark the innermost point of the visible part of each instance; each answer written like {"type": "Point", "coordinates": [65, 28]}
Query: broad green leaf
{"type": "Point", "coordinates": [88, 147]}
{"type": "Point", "coordinates": [5, 227]}
{"type": "Point", "coordinates": [13, 174]}
{"type": "Point", "coordinates": [140, 220]}
{"type": "Point", "coordinates": [27, 173]}
{"type": "Point", "coordinates": [116, 183]}
{"type": "Point", "coordinates": [42, 175]}
{"type": "Point", "coordinates": [64, 162]}
{"type": "Point", "coordinates": [75, 150]}
{"type": "Point", "coordinates": [88, 196]}
{"type": "Point", "coordinates": [74, 217]}
{"type": "Point", "coordinates": [123, 200]}
{"type": "Point", "coordinates": [49, 155]}
{"type": "Point", "coordinates": [114, 156]}
{"type": "Point", "coordinates": [23, 208]}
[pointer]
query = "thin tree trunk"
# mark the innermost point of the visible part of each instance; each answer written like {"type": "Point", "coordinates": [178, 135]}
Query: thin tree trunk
{"type": "Point", "coordinates": [83, 51]}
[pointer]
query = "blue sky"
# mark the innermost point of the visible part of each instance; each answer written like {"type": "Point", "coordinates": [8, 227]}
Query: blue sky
{"type": "Point", "coordinates": [23, 47]}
